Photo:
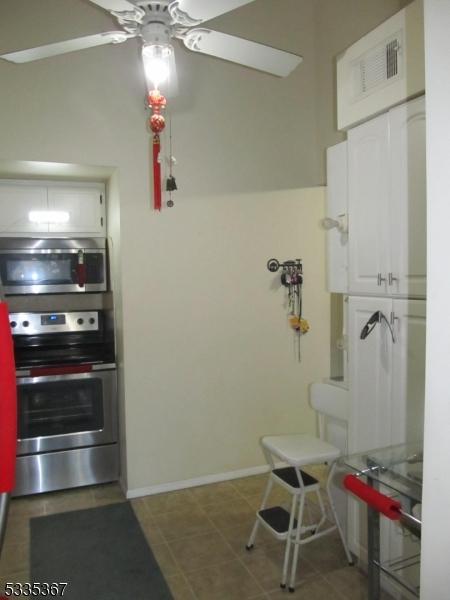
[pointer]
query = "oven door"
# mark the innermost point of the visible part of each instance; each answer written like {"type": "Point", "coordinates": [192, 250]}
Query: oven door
{"type": "Point", "coordinates": [52, 271]}
{"type": "Point", "coordinates": [57, 412]}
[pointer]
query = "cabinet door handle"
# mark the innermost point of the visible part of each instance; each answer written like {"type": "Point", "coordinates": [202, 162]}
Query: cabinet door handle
{"type": "Point", "coordinates": [391, 279]}
{"type": "Point", "coordinates": [380, 279]}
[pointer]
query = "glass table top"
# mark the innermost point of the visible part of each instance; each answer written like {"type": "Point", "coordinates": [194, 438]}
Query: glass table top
{"type": "Point", "coordinates": [399, 468]}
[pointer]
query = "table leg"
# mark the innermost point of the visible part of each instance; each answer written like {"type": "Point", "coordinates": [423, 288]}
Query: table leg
{"type": "Point", "coordinates": [4, 503]}
{"type": "Point", "coordinates": [373, 557]}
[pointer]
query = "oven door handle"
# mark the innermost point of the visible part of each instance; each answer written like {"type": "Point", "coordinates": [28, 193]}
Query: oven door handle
{"type": "Point", "coordinates": [67, 370]}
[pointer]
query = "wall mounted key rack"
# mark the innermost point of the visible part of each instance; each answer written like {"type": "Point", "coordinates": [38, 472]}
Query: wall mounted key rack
{"type": "Point", "coordinates": [292, 279]}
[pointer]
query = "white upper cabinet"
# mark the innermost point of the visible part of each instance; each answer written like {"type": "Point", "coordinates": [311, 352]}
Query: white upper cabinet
{"type": "Point", "coordinates": [84, 207]}
{"type": "Point", "coordinates": [52, 209]}
{"type": "Point", "coordinates": [17, 203]}
{"type": "Point", "coordinates": [368, 167]}
{"type": "Point", "coordinates": [408, 199]}
{"type": "Point", "coordinates": [387, 203]}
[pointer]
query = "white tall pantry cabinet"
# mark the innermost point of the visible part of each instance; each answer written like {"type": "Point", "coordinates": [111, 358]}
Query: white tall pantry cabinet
{"type": "Point", "coordinates": [384, 170]}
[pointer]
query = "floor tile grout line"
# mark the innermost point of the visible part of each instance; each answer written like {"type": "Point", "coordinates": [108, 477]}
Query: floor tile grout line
{"type": "Point", "coordinates": [182, 572]}
{"type": "Point", "coordinates": [316, 574]}
{"type": "Point", "coordinates": [341, 594]}
{"type": "Point", "coordinates": [238, 557]}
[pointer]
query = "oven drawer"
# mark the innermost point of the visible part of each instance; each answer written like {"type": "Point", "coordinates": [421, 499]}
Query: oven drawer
{"type": "Point", "coordinates": [52, 471]}
{"type": "Point", "coordinates": [59, 412]}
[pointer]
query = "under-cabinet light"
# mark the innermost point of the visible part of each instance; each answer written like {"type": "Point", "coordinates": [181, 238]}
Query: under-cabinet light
{"type": "Point", "coordinates": [49, 216]}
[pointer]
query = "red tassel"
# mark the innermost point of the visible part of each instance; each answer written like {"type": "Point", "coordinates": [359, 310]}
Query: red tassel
{"type": "Point", "coordinates": [156, 173]}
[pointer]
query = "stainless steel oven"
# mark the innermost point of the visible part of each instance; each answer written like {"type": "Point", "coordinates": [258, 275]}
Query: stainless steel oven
{"type": "Point", "coordinates": [58, 412]}
{"type": "Point", "coordinates": [52, 266]}
{"type": "Point", "coordinates": [67, 400]}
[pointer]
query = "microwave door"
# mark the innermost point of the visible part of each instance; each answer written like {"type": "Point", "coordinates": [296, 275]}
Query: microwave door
{"type": "Point", "coordinates": [52, 271]}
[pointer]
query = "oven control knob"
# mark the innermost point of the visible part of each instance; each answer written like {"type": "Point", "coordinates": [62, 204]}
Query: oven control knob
{"type": "Point", "coordinates": [13, 324]}
{"type": "Point", "coordinates": [80, 321]}
{"type": "Point", "coordinates": [25, 323]}
{"type": "Point", "coordinates": [92, 320]}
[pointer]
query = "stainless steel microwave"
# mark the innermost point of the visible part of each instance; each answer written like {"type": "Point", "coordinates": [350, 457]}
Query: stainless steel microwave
{"type": "Point", "coordinates": [52, 266]}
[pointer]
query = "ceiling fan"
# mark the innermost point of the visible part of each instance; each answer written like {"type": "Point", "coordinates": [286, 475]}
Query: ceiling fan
{"type": "Point", "coordinates": [156, 22]}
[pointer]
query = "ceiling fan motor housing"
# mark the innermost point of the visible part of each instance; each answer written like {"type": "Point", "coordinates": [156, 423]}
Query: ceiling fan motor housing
{"type": "Point", "coordinates": [156, 26]}
{"type": "Point", "coordinates": [156, 33]}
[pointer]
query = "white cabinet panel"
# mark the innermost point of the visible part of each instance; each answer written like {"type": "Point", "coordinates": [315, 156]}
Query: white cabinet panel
{"type": "Point", "coordinates": [84, 206]}
{"type": "Point", "coordinates": [386, 378]}
{"type": "Point", "coordinates": [408, 390]}
{"type": "Point", "coordinates": [368, 167]}
{"type": "Point", "coordinates": [387, 203]}
{"type": "Point", "coordinates": [16, 203]}
{"type": "Point", "coordinates": [337, 208]}
{"type": "Point", "coordinates": [370, 375]}
{"type": "Point", "coordinates": [408, 198]}
{"type": "Point", "coordinates": [386, 383]}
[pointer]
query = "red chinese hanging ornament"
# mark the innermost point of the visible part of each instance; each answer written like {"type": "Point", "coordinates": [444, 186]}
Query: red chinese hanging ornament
{"type": "Point", "coordinates": [157, 103]}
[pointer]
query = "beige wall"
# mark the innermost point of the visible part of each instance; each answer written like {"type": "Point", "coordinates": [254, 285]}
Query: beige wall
{"type": "Point", "coordinates": [207, 363]}
{"type": "Point", "coordinates": [214, 365]}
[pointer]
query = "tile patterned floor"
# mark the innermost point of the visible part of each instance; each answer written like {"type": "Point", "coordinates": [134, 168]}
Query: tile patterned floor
{"type": "Point", "coordinates": [198, 537]}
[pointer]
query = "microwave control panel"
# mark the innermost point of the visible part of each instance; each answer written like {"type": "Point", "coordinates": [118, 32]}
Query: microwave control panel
{"type": "Point", "coordinates": [55, 322]}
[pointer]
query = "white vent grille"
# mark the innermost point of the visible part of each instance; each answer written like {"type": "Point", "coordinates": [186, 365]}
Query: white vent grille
{"type": "Point", "coordinates": [376, 67]}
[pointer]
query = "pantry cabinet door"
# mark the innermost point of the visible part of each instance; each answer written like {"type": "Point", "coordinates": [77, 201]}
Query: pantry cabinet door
{"type": "Point", "coordinates": [368, 183]}
{"type": "Point", "coordinates": [408, 199]}
{"type": "Point", "coordinates": [408, 390]}
{"type": "Point", "coordinates": [82, 208]}
{"type": "Point", "coordinates": [18, 202]}
{"type": "Point", "coordinates": [370, 375]}
{"type": "Point", "coordinates": [407, 409]}
{"type": "Point", "coordinates": [370, 386]}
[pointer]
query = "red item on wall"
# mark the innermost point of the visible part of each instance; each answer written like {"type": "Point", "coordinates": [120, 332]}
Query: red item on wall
{"type": "Point", "coordinates": [387, 506]}
{"type": "Point", "coordinates": [157, 103]}
{"type": "Point", "coordinates": [8, 405]}
{"type": "Point", "coordinates": [157, 194]}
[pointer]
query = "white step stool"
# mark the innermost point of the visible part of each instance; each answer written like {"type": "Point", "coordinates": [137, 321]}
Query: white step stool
{"type": "Point", "coordinates": [296, 451]}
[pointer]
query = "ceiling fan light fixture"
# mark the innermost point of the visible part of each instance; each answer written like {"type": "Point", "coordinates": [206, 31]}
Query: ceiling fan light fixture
{"type": "Point", "coordinates": [156, 58]}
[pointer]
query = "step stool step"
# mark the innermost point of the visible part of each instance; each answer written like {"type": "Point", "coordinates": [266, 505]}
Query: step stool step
{"type": "Point", "coordinates": [289, 476]}
{"type": "Point", "coordinates": [277, 518]}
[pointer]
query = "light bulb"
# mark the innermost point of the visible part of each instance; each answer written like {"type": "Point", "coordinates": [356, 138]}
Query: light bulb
{"type": "Point", "coordinates": [156, 63]}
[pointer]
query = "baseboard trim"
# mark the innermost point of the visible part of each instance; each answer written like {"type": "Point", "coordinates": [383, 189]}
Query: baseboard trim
{"type": "Point", "coordinates": [196, 481]}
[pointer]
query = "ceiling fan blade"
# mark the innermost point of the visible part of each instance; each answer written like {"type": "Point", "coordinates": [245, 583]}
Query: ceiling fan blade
{"type": "Point", "coordinates": [237, 50]}
{"type": "Point", "coordinates": [203, 10]}
{"type": "Point", "coordinates": [116, 5]}
{"type": "Point", "coordinates": [88, 41]}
